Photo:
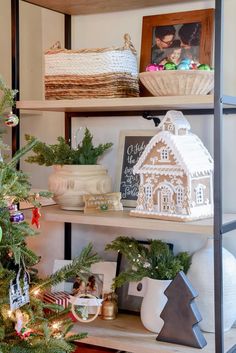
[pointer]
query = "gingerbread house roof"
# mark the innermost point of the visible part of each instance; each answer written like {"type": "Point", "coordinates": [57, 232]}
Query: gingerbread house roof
{"type": "Point", "coordinates": [177, 118]}
{"type": "Point", "coordinates": [188, 150]}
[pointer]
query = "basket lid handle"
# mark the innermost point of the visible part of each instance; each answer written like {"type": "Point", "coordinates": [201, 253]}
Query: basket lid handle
{"type": "Point", "coordinates": [56, 45]}
{"type": "Point", "coordinates": [128, 44]}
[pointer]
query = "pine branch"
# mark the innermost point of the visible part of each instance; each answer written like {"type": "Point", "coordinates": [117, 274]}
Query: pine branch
{"type": "Point", "coordinates": [7, 99]}
{"type": "Point", "coordinates": [128, 276]}
{"type": "Point", "coordinates": [28, 147]}
{"type": "Point", "coordinates": [78, 337]}
{"type": "Point", "coordinates": [30, 258]}
{"type": "Point", "coordinates": [81, 264]}
{"type": "Point", "coordinates": [155, 261]}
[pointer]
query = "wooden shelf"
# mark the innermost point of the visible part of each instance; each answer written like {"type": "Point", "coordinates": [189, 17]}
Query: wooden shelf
{"type": "Point", "coordinates": [120, 104]}
{"type": "Point", "coordinates": [121, 219]}
{"type": "Point", "coordinates": [85, 7]}
{"type": "Point", "coordinates": [127, 333]}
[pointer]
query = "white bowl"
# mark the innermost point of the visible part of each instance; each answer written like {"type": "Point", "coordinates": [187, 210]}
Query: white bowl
{"type": "Point", "coordinates": [178, 82]}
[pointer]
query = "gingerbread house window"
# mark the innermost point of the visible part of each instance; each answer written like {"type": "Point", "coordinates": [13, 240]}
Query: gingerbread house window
{"type": "Point", "coordinates": [199, 195]}
{"type": "Point", "coordinates": [179, 195]}
{"type": "Point", "coordinates": [170, 127]}
{"type": "Point", "coordinates": [165, 154]}
{"type": "Point", "coordinates": [148, 191]}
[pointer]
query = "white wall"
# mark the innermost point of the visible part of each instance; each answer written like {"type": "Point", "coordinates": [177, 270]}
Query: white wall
{"type": "Point", "coordinates": [39, 30]}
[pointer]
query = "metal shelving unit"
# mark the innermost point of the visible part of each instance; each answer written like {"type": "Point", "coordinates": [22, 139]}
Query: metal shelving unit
{"type": "Point", "coordinates": [220, 99]}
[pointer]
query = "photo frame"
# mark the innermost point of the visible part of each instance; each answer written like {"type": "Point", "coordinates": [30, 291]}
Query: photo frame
{"type": "Point", "coordinates": [131, 145]}
{"type": "Point", "coordinates": [191, 32]}
{"type": "Point", "coordinates": [104, 272]}
{"type": "Point", "coordinates": [131, 294]}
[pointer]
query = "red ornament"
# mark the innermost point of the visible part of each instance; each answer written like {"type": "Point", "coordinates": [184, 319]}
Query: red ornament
{"type": "Point", "coordinates": [151, 67]}
{"type": "Point", "coordinates": [35, 217]}
{"type": "Point", "coordinates": [26, 333]}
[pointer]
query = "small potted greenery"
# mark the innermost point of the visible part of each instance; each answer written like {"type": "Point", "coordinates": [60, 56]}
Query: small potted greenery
{"type": "Point", "coordinates": [76, 172]}
{"type": "Point", "coordinates": [156, 265]}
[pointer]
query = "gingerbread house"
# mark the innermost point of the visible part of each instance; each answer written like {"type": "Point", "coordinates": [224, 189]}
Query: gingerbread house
{"type": "Point", "coordinates": [176, 174]}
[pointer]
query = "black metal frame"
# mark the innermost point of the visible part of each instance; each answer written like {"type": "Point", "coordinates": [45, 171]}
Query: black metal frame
{"type": "Point", "coordinates": [15, 67]}
{"type": "Point", "coordinates": [219, 100]}
{"type": "Point", "coordinates": [67, 226]}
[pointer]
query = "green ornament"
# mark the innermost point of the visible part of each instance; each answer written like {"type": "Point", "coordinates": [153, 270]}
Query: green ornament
{"type": "Point", "coordinates": [104, 207]}
{"type": "Point", "coordinates": [170, 66]}
{"type": "Point", "coordinates": [204, 67]}
{"type": "Point", "coordinates": [0, 234]}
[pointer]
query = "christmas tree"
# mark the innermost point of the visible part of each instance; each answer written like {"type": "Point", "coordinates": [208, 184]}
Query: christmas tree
{"type": "Point", "coordinates": [181, 315]}
{"type": "Point", "coordinates": [25, 325]}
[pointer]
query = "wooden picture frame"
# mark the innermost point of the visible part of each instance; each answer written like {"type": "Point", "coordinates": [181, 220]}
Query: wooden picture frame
{"type": "Point", "coordinates": [131, 145]}
{"type": "Point", "coordinates": [191, 32]}
{"type": "Point", "coordinates": [130, 295]}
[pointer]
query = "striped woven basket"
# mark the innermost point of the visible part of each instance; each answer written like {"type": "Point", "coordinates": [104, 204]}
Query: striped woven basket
{"type": "Point", "coordinates": [91, 73]}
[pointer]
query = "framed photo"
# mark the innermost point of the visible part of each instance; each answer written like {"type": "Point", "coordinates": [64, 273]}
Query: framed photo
{"type": "Point", "coordinates": [97, 283]}
{"type": "Point", "coordinates": [131, 294]}
{"type": "Point", "coordinates": [131, 145]}
{"type": "Point", "coordinates": [174, 36]}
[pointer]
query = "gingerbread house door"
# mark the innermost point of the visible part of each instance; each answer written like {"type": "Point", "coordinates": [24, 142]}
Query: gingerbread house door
{"type": "Point", "coordinates": [165, 198]}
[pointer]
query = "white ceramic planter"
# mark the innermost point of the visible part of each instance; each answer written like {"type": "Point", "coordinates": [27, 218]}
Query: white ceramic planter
{"type": "Point", "coordinates": [153, 303]}
{"type": "Point", "coordinates": [69, 183]}
{"type": "Point", "coordinates": [201, 275]}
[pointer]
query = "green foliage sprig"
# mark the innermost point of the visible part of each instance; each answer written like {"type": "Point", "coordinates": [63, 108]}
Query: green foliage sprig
{"type": "Point", "coordinates": [61, 153]}
{"type": "Point", "coordinates": [155, 261]}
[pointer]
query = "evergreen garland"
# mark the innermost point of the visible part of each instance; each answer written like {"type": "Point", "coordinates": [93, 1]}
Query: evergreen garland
{"type": "Point", "coordinates": [155, 261]}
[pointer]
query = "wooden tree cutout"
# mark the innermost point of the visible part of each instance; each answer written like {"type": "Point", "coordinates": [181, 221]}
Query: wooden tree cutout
{"type": "Point", "coordinates": [181, 315]}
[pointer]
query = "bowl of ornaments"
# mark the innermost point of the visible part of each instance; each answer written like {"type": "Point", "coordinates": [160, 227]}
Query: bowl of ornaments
{"type": "Point", "coordinates": [186, 78]}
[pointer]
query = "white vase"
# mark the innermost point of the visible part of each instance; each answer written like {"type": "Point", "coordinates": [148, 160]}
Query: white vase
{"type": "Point", "coordinates": [201, 275]}
{"type": "Point", "coordinates": [153, 303]}
{"type": "Point", "coordinates": [69, 183]}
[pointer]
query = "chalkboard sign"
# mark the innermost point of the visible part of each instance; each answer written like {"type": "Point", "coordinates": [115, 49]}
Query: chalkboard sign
{"type": "Point", "coordinates": [132, 145]}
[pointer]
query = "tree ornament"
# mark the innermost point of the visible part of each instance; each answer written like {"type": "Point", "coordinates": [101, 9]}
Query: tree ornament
{"type": "Point", "coordinates": [170, 66]}
{"type": "Point", "coordinates": [186, 61]}
{"type": "Point", "coordinates": [0, 234]}
{"type": "Point", "coordinates": [19, 296]}
{"type": "Point", "coordinates": [155, 67]}
{"type": "Point", "coordinates": [204, 67]}
{"type": "Point", "coordinates": [35, 217]}
{"type": "Point", "coordinates": [181, 315]}
{"type": "Point", "coordinates": [151, 67]}
{"type": "Point", "coordinates": [160, 67]}
{"type": "Point", "coordinates": [26, 333]}
{"type": "Point", "coordinates": [80, 305]}
{"type": "Point", "coordinates": [11, 120]}
{"type": "Point", "coordinates": [183, 66]}
{"type": "Point", "coordinates": [16, 216]}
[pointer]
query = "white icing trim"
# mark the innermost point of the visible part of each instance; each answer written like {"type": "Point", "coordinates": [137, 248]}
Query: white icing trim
{"type": "Point", "coordinates": [188, 150]}
{"type": "Point", "coordinates": [177, 119]}
{"type": "Point", "coordinates": [196, 212]}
